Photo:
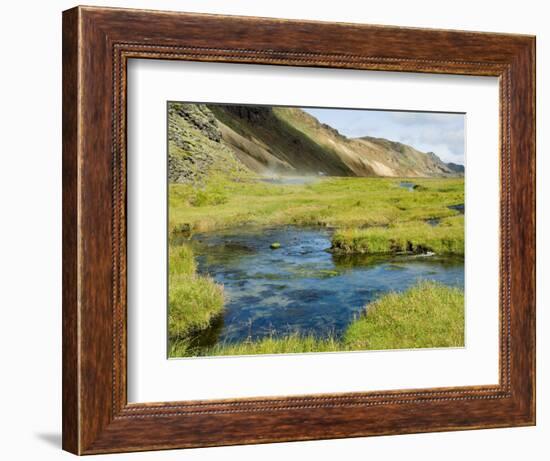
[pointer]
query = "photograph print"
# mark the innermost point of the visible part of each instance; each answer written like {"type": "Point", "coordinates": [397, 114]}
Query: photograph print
{"type": "Point", "coordinates": [309, 230]}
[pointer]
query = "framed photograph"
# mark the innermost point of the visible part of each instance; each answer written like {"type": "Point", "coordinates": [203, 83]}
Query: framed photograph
{"type": "Point", "coordinates": [284, 230]}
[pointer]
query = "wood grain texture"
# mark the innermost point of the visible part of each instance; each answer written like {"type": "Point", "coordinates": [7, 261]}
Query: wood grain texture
{"type": "Point", "coordinates": [70, 383]}
{"type": "Point", "coordinates": [97, 43]}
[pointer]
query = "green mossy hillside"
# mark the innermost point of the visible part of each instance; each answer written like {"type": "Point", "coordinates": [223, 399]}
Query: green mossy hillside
{"type": "Point", "coordinates": [195, 146]}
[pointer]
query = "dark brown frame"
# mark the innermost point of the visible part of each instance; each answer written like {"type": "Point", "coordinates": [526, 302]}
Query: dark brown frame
{"type": "Point", "coordinates": [97, 43]}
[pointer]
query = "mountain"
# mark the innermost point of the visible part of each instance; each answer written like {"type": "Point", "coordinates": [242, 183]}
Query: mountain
{"type": "Point", "coordinates": [195, 144]}
{"type": "Point", "coordinates": [396, 159]}
{"type": "Point", "coordinates": [283, 140]}
{"type": "Point", "coordinates": [455, 167]}
{"type": "Point", "coordinates": [279, 140]}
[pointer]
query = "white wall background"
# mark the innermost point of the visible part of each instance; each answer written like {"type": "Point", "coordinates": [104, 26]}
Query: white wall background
{"type": "Point", "coordinates": [30, 229]}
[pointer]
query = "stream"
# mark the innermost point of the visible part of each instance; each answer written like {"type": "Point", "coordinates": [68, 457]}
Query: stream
{"type": "Point", "coordinates": [301, 286]}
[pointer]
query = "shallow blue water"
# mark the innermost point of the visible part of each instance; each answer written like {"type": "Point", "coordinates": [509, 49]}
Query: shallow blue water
{"type": "Point", "coordinates": [459, 208]}
{"type": "Point", "coordinates": [301, 287]}
{"type": "Point", "coordinates": [407, 185]}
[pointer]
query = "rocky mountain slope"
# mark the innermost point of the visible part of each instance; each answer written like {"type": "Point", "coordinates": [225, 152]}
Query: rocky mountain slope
{"type": "Point", "coordinates": [283, 140]}
{"type": "Point", "coordinates": [195, 144]}
{"type": "Point", "coordinates": [458, 169]}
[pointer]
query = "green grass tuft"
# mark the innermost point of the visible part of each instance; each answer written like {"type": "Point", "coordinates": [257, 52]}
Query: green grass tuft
{"type": "Point", "coordinates": [291, 344]}
{"type": "Point", "coordinates": [193, 300]}
{"type": "Point", "coordinates": [428, 315]}
{"type": "Point", "coordinates": [411, 237]}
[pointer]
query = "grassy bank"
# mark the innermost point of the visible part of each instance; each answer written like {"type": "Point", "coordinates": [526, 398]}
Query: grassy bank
{"type": "Point", "coordinates": [193, 300]}
{"type": "Point", "coordinates": [336, 202]}
{"type": "Point", "coordinates": [447, 237]}
{"type": "Point", "coordinates": [427, 315]}
{"type": "Point", "coordinates": [290, 344]}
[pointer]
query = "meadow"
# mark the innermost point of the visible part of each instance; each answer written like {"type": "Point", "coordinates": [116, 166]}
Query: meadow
{"type": "Point", "coordinates": [371, 216]}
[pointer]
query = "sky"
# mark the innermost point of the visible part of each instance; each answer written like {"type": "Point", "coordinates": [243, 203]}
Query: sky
{"type": "Point", "coordinates": [440, 133]}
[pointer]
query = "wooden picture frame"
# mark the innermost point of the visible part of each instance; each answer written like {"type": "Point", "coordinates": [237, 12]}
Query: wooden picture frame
{"type": "Point", "coordinates": [97, 44]}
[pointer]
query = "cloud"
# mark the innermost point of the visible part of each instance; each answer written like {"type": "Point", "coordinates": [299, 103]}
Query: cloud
{"type": "Point", "coordinates": [442, 133]}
